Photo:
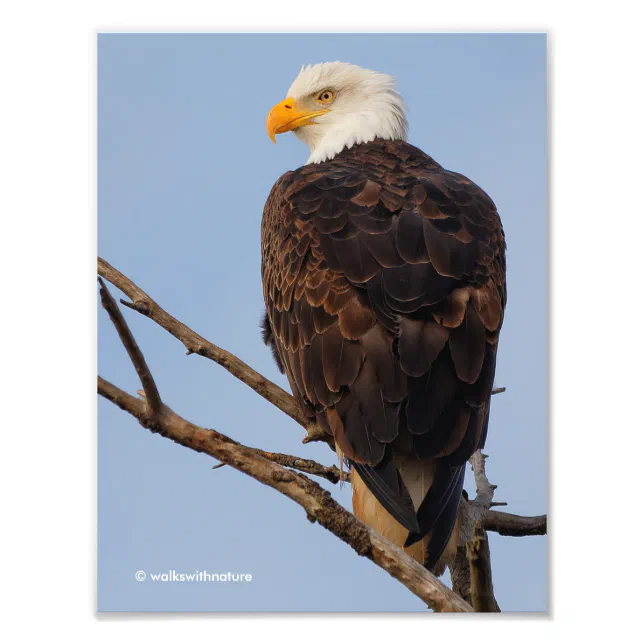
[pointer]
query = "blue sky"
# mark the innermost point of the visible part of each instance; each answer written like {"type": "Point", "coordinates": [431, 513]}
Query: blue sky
{"type": "Point", "coordinates": [184, 168]}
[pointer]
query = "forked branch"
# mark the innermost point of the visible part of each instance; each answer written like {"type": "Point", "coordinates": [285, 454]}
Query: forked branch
{"type": "Point", "coordinates": [317, 502]}
{"type": "Point", "coordinates": [194, 343]}
{"type": "Point", "coordinates": [268, 467]}
{"type": "Point", "coordinates": [477, 547]}
{"type": "Point", "coordinates": [136, 355]}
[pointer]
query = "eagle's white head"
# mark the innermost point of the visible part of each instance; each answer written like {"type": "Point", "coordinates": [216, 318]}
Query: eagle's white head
{"type": "Point", "coordinates": [332, 106]}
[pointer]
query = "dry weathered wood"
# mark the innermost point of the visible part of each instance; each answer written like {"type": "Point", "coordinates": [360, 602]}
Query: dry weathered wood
{"type": "Point", "coordinates": [331, 473]}
{"type": "Point", "coordinates": [136, 355]}
{"type": "Point", "coordinates": [484, 489]}
{"type": "Point", "coordinates": [513, 525]}
{"type": "Point", "coordinates": [481, 588]}
{"type": "Point", "coordinates": [473, 516]}
{"type": "Point", "coordinates": [459, 572]}
{"type": "Point", "coordinates": [317, 502]}
{"type": "Point", "coordinates": [474, 511]}
{"type": "Point", "coordinates": [194, 343]}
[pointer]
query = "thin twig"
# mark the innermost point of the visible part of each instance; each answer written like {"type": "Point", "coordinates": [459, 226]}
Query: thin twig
{"type": "Point", "coordinates": [317, 502]}
{"type": "Point", "coordinates": [136, 355]}
{"type": "Point", "coordinates": [332, 474]}
{"type": "Point", "coordinates": [306, 465]}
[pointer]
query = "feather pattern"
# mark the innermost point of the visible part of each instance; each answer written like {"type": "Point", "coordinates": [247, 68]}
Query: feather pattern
{"type": "Point", "coordinates": [384, 285]}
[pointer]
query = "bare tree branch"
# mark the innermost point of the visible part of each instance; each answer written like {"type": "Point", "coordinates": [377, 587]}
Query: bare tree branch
{"type": "Point", "coordinates": [477, 547]}
{"type": "Point", "coordinates": [317, 502]}
{"type": "Point", "coordinates": [459, 572]}
{"type": "Point", "coordinates": [136, 355]}
{"type": "Point", "coordinates": [484, 489]}
{"type": "Point", "coordinates": [507, 524]}
{"type": "Point", "coordinates": [513, 525]}
{"type": "Point", "coordinates": [481, 588]}
{"type": "Point", "coordinates": [471, 572]}
{"type": "Point", "coordinates": [144, 304]}
{"type": "Point", "coordinates": [331, 473]}
{"type": "Point", "coordinates": [504, 523]}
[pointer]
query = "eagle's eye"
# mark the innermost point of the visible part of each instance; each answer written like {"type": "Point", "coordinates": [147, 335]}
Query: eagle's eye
{"type": "Point", "coordinates": [326, 96]}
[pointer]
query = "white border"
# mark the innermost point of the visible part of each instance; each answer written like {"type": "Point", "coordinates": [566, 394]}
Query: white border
{"type": "Point", "coordinates": [48, 206]}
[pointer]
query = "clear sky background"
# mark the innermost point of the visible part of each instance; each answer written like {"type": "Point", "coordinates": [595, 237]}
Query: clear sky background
{"type": "Point", "coordinates": [184, 168]}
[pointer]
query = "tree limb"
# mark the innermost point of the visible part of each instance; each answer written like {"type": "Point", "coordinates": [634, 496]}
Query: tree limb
{"type": "Point", "coordinates": [136, 355]}
{"type": "Point", "coordinates": [513, 525]}
{"type": "Point", "coordinates": [331, 473]}
{"type": "Point", "coordinates": [317, 502]}
{"type": "Point", "coordinates": [475, 515]}
{"type": "Point", "coordinates": [477, 547]}
{"type": "Point", "coordinates": [459, 572]}
{"type": "Point", "coordinates": [194, 343]}
{"type": "Point", "coordinates": [481, 588]}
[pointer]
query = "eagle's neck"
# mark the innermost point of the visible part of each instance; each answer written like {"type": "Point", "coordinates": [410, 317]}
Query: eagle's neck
{"type": "Point", "coordinates": [343, 131]}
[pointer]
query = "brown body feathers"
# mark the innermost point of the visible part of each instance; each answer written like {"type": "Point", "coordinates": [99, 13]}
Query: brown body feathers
{"type": "Point", "coordinates": [384, 284]}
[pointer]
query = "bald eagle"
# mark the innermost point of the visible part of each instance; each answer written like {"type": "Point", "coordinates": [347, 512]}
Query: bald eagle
{"type": "Point", "coordinates": [384, 285]}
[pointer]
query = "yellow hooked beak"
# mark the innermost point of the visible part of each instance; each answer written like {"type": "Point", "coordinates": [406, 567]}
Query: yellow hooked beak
{"type": "Point", "coordinates": [285, 116]}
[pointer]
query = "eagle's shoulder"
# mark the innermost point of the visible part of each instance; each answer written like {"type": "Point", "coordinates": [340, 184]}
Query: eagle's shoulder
{"type": "Point", "coordinates": [385, 204]}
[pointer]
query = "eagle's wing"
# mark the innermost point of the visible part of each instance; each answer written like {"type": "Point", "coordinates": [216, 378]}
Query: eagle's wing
{"type": "Point", "coordinates": [385, 291]}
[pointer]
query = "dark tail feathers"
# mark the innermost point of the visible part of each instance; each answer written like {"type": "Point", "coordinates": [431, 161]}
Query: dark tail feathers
{"type": "Point", "coordinates": [437, 513]}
